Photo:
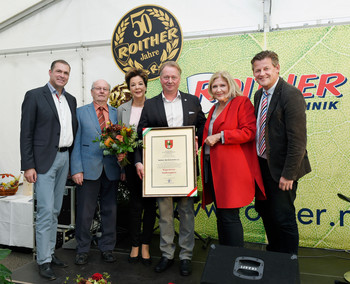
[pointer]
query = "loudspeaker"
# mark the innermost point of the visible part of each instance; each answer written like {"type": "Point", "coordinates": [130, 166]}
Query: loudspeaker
{"type": "Point", "coordinates": [67, 214]}
{"type": "Point", "coordinates": [240, 265]}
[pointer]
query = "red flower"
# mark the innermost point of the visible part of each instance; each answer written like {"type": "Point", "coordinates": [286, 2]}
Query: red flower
{"type": "Point", "coordinates": [97, 276]}
{"type": "Point", "coordinates": [120, 138]}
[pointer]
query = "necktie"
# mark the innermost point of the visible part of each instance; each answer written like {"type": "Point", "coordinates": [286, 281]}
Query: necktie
{"type": "Point", "coordinates": [101, 118]}
{"type": "Point", "coordinates": [262, 124]}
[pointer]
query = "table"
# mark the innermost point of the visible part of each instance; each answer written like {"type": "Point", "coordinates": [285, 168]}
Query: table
{"type": "Point", "coordinates": [16, 220]}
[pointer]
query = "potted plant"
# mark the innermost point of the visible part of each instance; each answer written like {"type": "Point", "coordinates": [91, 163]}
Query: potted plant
{"type": "Point", "coordinates": [5, 273]}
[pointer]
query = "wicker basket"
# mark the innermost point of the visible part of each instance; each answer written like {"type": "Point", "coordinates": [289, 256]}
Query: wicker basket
{"type": "Point", "coordinates": [9, 184]}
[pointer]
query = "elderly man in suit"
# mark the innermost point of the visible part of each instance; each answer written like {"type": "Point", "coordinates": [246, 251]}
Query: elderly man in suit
{"type": "Point", "coordinates": [173, 108]}
{"type": "Point", "coordinates": [96, 175]}
{"type": "Point", "coordinates": [281, 146]}
{"type": "Point", "coordinates": [48, 126]}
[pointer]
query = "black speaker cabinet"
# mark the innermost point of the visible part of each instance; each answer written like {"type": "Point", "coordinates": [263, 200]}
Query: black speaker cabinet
{"type": "Point", "coordinates": [67, 214]}
{"type": "Point", "coordinates": [240, 265]}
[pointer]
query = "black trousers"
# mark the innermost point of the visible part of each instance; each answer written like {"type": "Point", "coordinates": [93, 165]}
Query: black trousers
{"type": "Point", "coordinates": [278, 214]}
{"type": "Point", "coordinates": [230, 230]}
{"type": "Point", "coordinates": [87, 196]}
{"type": "Point", "coordinates": [139, 205]}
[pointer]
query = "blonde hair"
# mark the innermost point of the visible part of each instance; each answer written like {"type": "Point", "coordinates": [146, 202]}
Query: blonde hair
{"type": "Point", "coordinates": [170, 64]}
{"type": "Point", "coordinates": [233, 89]}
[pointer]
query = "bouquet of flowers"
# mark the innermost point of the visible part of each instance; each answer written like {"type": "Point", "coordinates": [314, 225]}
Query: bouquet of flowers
{"type": "Point", "coordinates": [118, 139]}
{"type": "Point", "coordinates": [96, 278]}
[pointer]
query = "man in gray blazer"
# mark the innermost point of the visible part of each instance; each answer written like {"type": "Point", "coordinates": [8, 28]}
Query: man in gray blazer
{"type": "Point", "coordinates": [96, 175]}
{"type": "Point", "coordinates": [281, 146]}
{"type": "Point", "coordinates": [48, 127]}
{"type": "Point", "coordinates": [173, 108]}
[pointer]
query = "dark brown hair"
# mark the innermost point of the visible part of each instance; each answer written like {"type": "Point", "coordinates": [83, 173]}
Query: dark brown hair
{"type": "Point", "coordinates": [133, 72]}
{"type": "Point", "coordinates": [59, 61]}
{"type": "Point", "coordinates": [266, 54]}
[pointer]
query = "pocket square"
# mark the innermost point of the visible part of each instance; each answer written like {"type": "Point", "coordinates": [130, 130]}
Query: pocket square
{"type": "Point", "coordinates": [191, 112]}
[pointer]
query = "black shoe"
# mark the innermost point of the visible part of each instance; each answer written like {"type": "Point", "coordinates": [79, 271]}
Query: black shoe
{"type": "Point", "coordinates": [56, 261]}
{"type": "Point", "coordinates": [108, 256]}
{"type": "Point", "coordinates": [133, 259]}
{"type": "Point", "coordinates": [46, 271]}
{"type": "Point", "coordinates": [146, 261]}
{"type": "Point", "coordinates": [185, 267]}
{"type": "Point", "coordinates": [81, 258]}
{"type": "Point", "coordinates": [163, 264]}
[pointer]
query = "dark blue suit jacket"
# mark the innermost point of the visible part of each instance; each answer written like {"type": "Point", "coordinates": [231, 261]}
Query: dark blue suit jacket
{"type": "Point", "coordinates": [40, 129]}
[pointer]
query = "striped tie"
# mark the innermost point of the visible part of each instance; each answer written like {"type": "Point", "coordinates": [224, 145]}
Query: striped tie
{"type": "Point", "coordinates": [262, 124]}
{"type": "Point", "coordinates": [101, 118]}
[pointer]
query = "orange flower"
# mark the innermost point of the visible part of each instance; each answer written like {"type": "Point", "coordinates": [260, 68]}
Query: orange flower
{"type": "Point", "coordinates": [128, 131]}
{"type": "Point", "coordinates": [120, 138]}
{"type": "Point", "coordinates": [108, 141]}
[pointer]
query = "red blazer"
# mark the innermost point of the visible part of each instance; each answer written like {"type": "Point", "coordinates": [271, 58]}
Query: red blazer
{"type": "Point", "coordinates": [234, 164]}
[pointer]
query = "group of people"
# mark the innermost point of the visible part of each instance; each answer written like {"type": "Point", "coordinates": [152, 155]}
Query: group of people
{"type": "Point", "coordinates": [247, 152]}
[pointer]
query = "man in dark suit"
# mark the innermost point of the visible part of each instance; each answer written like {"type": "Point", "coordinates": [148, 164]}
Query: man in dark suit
{"type": "Point", "coordinates": [97, 175]}
{"type": "Point", "coordinates": [173, 108]}
{"type": "Point", "coordinates": [281, 146]}
{"type": "Point", "coordinates": [48, 127]}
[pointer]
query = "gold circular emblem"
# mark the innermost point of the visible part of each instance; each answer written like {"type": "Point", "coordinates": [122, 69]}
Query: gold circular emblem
{"type": "Point", "coordinates": [146, 37]}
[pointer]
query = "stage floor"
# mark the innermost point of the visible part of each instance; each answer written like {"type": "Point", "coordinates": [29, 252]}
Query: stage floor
{"type": "Point", "coordinates": [316, 266]}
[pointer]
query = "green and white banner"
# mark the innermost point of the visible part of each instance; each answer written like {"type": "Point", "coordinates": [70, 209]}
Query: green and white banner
{"type": "Point", "coordinates": [315, 60]}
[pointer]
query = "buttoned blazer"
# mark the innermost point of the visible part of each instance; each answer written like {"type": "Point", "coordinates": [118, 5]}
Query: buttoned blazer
{"type": "Point", "coordinates": [153, 115]}
{"type": "Point", "coordinates": [87, 156]}
{"type": "Point", "coordinates": [234, 163]}
{"type": "Point", "coordinates": [40, 129]}
{"type": "Point", "coordinates": [285, 132]}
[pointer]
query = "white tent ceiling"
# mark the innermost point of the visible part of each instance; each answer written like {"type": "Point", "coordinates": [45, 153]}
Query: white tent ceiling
{"type": "Point", "coordinates": [34, 33]}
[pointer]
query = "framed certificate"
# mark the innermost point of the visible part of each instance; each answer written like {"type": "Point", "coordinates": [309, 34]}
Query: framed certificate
{"type": "Point", "coordinates": [169, 162]}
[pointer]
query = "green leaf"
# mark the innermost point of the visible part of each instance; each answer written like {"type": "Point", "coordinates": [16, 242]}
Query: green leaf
{"type": "Point", "coordinates": [4, 253]}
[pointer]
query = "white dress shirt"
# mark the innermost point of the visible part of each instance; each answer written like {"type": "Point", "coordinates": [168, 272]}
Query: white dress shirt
{"type": "Point", "coordinates": [65, 117]}
{"type": "Point", "coordinates": [174, 111]}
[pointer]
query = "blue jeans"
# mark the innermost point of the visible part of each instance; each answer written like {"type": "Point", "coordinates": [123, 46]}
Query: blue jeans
{"type": "Point", "coordinates": [49, 189]}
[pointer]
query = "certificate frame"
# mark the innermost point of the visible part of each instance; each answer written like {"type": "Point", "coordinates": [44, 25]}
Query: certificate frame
{"type": "Point", "coordinates": [169, 159]}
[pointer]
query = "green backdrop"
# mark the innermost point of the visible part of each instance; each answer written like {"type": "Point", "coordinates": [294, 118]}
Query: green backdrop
{"type": "Point", "coordinates": [322, 56]}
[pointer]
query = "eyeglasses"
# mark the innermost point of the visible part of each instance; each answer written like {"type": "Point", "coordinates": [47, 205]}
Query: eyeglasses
{"type": "Point", "coordinates": [99, 89]}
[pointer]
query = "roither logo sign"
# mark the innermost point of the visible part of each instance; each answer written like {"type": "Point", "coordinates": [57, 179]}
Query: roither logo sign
{"type": "Point", "coordinates": [146, 37]}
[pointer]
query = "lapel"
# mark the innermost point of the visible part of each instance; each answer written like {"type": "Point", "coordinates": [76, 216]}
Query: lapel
{"type": "Point", "coordinates": [159, 107]}
{"type": "Point", "coordinates": [185, 108]}
{"type": "Point", "coordinates": [70, 102]}
{"type": "Point", "coordinates": [275, 98]}
{"type": "Point", "coordinates": [126, 111]}
{"type": "Point", "coordinates": [49, 99]}
{"type": "Point", "coordinates": [112, 112]}
{"type": "Point", "coordinates": [257, 98]}
{"type": "Point", "coordinates": [222, 117]}
{"type": "Point", "coordinates": [93, 117]}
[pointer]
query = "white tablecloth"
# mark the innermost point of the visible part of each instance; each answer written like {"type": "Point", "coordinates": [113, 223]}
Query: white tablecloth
{"type": "Point", "coordinates": [16, 220]}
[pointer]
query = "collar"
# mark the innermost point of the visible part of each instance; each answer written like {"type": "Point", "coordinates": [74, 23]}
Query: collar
{"type": "Point", "coordinates": [178, 96]}
{"type": "Point", "coordinates": [54, 91]}
{"type": "Point", "coordinates": [272, 89]}
{"type": "Point", "coordinates": [97, 106]}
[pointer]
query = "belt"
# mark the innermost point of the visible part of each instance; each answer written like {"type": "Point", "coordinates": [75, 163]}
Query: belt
{"type": "Point", "coordinates": [62, 149]}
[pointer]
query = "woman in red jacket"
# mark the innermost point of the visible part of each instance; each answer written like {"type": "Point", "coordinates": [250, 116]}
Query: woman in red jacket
{"type": "Point", "coordinates": [230, 170]}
